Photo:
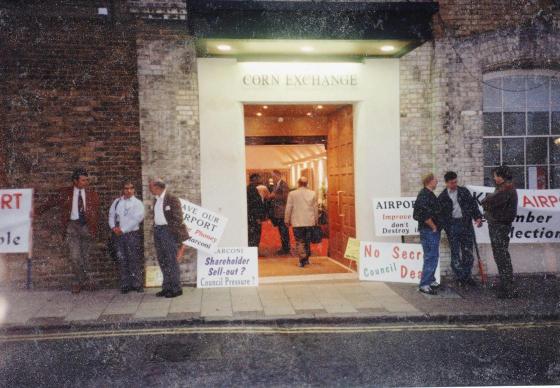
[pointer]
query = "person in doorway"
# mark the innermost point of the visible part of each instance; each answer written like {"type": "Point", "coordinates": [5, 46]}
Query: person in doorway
{"type": "Point", "coordinates": [302, 214]}
{"type": "Point", "coordinates": [500, 210]}
{"type": "Point", "coordinates": [458, 211]}
{"type": "Point", "coordinates": [79, 216]}
{"type": "Point", "coordinates": [169, 234]}
{"type": "Point", "coordinates": [125, 215]}
{"type": "Point", "coordinates": [279, 197]}
{"type": "Point", "coordinates": [427, 213]}
{"type": "Point", "coordinates": [255, 210]}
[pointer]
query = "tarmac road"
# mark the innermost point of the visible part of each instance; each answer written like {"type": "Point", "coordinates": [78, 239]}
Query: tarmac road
{"type": "Point", "coordinates": [290, 355]}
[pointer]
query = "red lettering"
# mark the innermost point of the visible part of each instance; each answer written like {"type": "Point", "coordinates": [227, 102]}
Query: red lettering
{"type": "Point", "coordinates": [367, 251]}
{"type": "Point", "coordinates": [5, 202]}
{"type": "Point", "coordinates": [544, 201]}
{"type": "Point", "coordinates": [527, 201]}
{"type": "Point", "coordinates": [553, 200]}
{"type": "Point", "coordinates": [396, 252]}
{"type": "Point", "coordinates": [404, 271]}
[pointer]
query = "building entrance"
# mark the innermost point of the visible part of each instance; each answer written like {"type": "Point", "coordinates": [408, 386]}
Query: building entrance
{"type": "Point", "coordinates": [311, 141]}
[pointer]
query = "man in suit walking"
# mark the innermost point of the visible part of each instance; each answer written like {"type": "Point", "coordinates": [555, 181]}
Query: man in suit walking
{"type": "Point", "coordinates": [279, 197]}
{"type": "Point", "coordinates": [302, 213]}
{"type": "Point", "coordinates": [79, 217]}
{"type": "Point", "coordinates": [169, 234]}
{"type": "Point", "coordinates": [255, 210]}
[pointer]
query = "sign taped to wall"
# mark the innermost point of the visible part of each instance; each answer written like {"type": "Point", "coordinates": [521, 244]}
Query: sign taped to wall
{"type": "Point", "coordinates": [392, 262]}
{"type": "Point", "coordinates": [15, 220]}
{"type": "Point", "coordinates": [393, 216]}
{"type": "Point", "coordinates": [228, 267]}
{"type": "Point", "coordinates": [205, 227]}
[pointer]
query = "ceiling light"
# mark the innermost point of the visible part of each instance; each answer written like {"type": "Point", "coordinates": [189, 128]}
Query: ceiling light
{"type": "Point", "coordinates": [224, 47]}
{"type": "Point", "coordinates": [309, 113]}
{"type": "Point", "coordinates": [387, 49]}
{"type": "Point", "coordinates": [259, 114]}
{"type": "Point", "coordinates": [280, 119]}
{"type": "Point", "coordinates": [319, 106]}
{"type": "Point", "coordinates": [557, 141]}
{"type": "Point", "coordinates": [265, 106]}
{"type": "Point", "coordinates": [306, 49]}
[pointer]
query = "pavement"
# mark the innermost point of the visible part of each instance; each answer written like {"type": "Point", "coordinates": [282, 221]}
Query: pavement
{"type": "Point", "coordinates": [343, 300]}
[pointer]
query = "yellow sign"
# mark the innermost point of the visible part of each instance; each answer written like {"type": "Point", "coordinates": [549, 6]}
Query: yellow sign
{"type": "Point", "coordinates": [352, 250]}
{"type": "Point", "coordinates": [154, 277]}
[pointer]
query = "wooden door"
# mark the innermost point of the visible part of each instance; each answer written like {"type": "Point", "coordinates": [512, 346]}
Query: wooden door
{"type": "Point", "coordinates": [340, 171]}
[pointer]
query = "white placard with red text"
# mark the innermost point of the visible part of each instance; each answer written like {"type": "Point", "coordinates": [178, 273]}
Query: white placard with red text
{"type": "Point", "coordinates": [393, 216]}
{"type": "Point", "coordinates": [392, 262]}
{"type": "Point", "coordinates": [15, 220]}
{"type": "Point", "coordinates": [205, 227]}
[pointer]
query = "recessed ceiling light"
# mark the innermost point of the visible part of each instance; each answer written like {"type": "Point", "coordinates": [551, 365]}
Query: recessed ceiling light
{"type": "Point", "coordinates": [319, 106]}
{"type": "Point", "coordinates": [388, 48]}
{"type": "Point", "coordinates": [306, 49]}
{"type": "Point", "coordinates": [309, 113]}
{"type": "Point", "coordinates": [265, 106]}
{"type": "Point", "coordinates": [224, 47]}
{"type": "Point", "coordinates": [259, 114]}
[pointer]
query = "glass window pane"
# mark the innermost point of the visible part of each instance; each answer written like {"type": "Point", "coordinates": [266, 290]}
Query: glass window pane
{"type": "Point", "coordinates": [556, 122]}
{"type": "Point", "coordinates": [537, 177]}
{"type": "Point", "coordinates": [514, 94]}
{"type": "Point", "coordinates": [537, 123]}
{"type": "Point", "coordinates": [492, 101]}
{"type": "Point", "coordinates": [514, 123]}
{"type": "Point", "coordinates": [513, 151]}
{"type": "Point", "coordinates": [492, 124]}
{"type": "Point", "coordinates": [491, 152]}
{"type": "Point", "coordinates": [555, 177]}
{"type": "Point", "coordinates": [554, 151]}
{"type": "Point", "coordinates": [537, 152]}
{"type": "Point", "coordinates": [538, 93]}
{"type": "Point", "coordinates": [488, 180]}
{"type": "Point", "coordinates": [555, 92]}
{"type": "Point", "coordinates": [518, 177]}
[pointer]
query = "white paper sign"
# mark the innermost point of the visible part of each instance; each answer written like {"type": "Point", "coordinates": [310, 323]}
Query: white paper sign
{"type": "Point", "coordinates": [538, 216]}
{"type": "Point", "coordinates": [392, 262]}
{"type": "Point", "coordinates": [393, 216]}
{"type": "Point", "coordinates": [228, 267]}
{"type": "Point", "coordinates": [15, 220]}
{"type": "Point", "coordinates": [205, 227]}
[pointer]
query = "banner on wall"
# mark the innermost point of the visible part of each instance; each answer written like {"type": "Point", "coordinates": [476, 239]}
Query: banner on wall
{"type": "Point", "coordinates": [228, 267]}
{"type": "Point", "coordinates": [205, 227]}
{"type": "Point", "coordinates": [392, 262]}
{"type": "Point", "coordinates": [538, 216]}
{"type": "Point", "coordinates": [15, 220]}
{"type": "Point", "coordinates": [393, 216]}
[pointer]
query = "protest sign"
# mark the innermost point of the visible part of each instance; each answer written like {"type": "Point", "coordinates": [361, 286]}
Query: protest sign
{"type": "Point", "coordinates": [538, 216]}
{"type": "Point", "coordinates": [392, 262]}
{"type": "Point", "coordinates": [393, 216]}
{"type": "Point", "coordinates": [228, 267]}
{"type": "Point", "coordinates": [352, 250]}
{"type": "Point", "coordinates": [15, 220]}
{"type": "Point", "coordinates": [205, 227]}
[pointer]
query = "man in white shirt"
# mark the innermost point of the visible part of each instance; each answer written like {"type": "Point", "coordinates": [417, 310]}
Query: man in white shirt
{"type": "Point", "coordinates": [125, 215]}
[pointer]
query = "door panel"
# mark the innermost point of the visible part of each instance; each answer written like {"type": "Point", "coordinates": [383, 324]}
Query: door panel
{"type": "Point", "coordinates": [340, 170]}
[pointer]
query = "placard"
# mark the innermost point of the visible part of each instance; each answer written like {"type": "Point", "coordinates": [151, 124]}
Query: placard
{"type": "Point", "coordinates": [15, 220]}
{"type": "Point", "coordinates": [154, 276]}
{"type": "Point", "coordinates": [228, 267]}
{"type": "Point", "coordinates": [352, 250]}
{"type": "Point", "coordinates": [205, 227]}
{"type": "Point", "coordinates": [392, 262]}
{"type": "Point", "coordinates": [393, 216]}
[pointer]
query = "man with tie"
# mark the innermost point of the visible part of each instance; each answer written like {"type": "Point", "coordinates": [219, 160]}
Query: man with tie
{"type": "Point", "coordinates": [79, 216]}
{"type": "Point", "coordinates": [169, 234]}
{"type": "Point", "coordinates": [125, 215]}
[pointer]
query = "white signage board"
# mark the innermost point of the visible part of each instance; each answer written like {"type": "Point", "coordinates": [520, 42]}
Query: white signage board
{"type": "Point", "coordinates": [205, 227]}
{"type": "Point", "coordinates": [393, 216]}
{"type": "Point", "coordinates": [15, 220]}
{"type": "Point", "coordinates": [538, 216]}
{"type": "Point", "coordinates": [392, 262]}
{"type": "Point", "coordinates": [228, 267]}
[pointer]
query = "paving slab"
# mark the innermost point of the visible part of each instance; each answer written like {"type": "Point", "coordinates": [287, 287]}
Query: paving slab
{"type": "Point", "coordinates": [245, 300]}
{"type": "Point", "coordinates": [123, 304]}
{"type": "Point", "coordinates": [19, 307]}
{"type": "Point", "coordinates": [216, 302]}
{"type": "Point", "coordinates": [332, 300]}
{"type": "Point", "coordinates": [302, 298]}
{"type": "Point", "coordinates": [190, 302]}
{"type": "Point", "coordinates": [275, 301]}
{"type": "Point", "coordinates": [90, 305]}
{"type": "Point", "coordinates": [152, 306]}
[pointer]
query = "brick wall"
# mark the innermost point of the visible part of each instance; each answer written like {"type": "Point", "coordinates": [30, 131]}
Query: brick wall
{"type": "Point", "coordinates": [68, 98]}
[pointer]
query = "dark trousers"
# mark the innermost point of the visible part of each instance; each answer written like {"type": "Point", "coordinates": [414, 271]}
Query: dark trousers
{"type": "Point", "coordinates": [460, 236]}
{"type": "Point", "coordinates": [255, 228]}
{"type": "Point", "coordinates": [430, 245]}
{"type": "Point", "coordinates": [284, 233]}
{"type": "Point", "coordinates": [499, 239]}
{"type": "Point", "coordinates": [166, 249]}
{"type": "Point", "coordinates": [130, 261]}
{"type": "Point", "coordinates": [303, 236]}
{"type": "Point", "coordinates": [79, 242]}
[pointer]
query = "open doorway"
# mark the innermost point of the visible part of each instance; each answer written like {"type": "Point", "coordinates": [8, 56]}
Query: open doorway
{"type": "Point", "coordinates": [316, 142]}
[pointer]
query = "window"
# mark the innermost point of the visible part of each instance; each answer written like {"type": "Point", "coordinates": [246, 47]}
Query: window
{"type": "Point", "coordinates": [521, 127]}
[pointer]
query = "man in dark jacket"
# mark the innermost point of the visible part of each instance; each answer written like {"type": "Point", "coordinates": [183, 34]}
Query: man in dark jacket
{"type": "Point", "coordinates": [427, 213]}
{"type": "Point", "coordinates": [255, 210]}
{"type": "Point", "coordinates": [500, 209]}
{"type": "Point", "coordinates": [458, 210]}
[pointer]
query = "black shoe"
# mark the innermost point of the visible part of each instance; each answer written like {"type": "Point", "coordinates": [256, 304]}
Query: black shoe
{"type": "Point", "coordinates": [306, 262]}
{"type": "Point", "coordinates": [162, 293]}
{"type": "Point", "coordinates": [137, 289]}
{"type": "Point", "coordinates": [427, 290]}
{"type": "Point", "coordinates": [172, 294]}
{"type": "Point", "coordinates": [301, 263]}
{"type": "Point", "coordinates": [125, 290]}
